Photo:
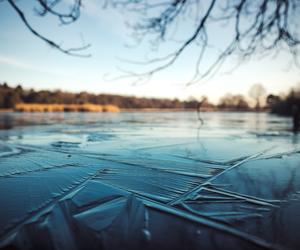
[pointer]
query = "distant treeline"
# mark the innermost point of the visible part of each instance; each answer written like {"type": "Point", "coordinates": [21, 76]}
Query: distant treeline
{"type": "Point", "coordinates": [11, 96]}
{"type": "Point", "coordinates": [285, 105]}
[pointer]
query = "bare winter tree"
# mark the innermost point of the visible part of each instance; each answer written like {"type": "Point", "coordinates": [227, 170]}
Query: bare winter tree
{"type": "Point", "coordinates": [255, 27]}
{"type": "Point", "coordinates": [257, 92]}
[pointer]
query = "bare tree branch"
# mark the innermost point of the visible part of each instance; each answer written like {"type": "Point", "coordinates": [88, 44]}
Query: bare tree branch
{"type": "Point", "coordinates": [254, 26]}
{"type": "Point", "coordinates": [257, 27]}
{"type": "Point", "coordinates": [63, 17]}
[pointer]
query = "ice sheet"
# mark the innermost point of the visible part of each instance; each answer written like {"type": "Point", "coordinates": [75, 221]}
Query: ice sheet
{"type": "Point", "coordinates": [149, 181]}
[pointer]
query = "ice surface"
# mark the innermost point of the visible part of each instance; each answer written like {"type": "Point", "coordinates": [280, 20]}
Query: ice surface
{"type": "Point", "coordinates": [148, 181]}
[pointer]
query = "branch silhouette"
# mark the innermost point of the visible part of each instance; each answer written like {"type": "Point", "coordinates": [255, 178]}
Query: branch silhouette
{"type": "Point", "coordinates": [258, 27]}
{"type": "Point", "coordinates": [47, 7]}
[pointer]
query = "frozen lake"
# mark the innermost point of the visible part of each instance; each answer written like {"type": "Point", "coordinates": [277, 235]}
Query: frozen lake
{"type": "Point", "coordinates": [149, 181]}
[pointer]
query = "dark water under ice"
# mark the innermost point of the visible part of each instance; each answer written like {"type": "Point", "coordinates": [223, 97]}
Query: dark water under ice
{"type": "Point", "coordinates": [148, 181]}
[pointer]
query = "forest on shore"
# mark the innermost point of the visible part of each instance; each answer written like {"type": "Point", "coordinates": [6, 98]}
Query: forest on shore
{"type": "Point", "coordinates": [11, 97]}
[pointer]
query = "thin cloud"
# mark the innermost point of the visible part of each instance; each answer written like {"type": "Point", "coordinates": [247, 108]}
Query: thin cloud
{"type": "Point", "coordinates": [17, 63]}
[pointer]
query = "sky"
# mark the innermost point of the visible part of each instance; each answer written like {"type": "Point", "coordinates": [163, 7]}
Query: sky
{"type": "Point", "coordinates": [26, 60]}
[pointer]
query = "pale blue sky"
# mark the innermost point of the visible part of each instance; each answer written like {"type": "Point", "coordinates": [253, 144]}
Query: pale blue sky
{"type": "Point", "coordinates": [27, 60]}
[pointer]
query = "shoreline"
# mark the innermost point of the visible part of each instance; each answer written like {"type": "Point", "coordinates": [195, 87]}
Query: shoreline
{"type": "Point", "coordinates": [137, 110]}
